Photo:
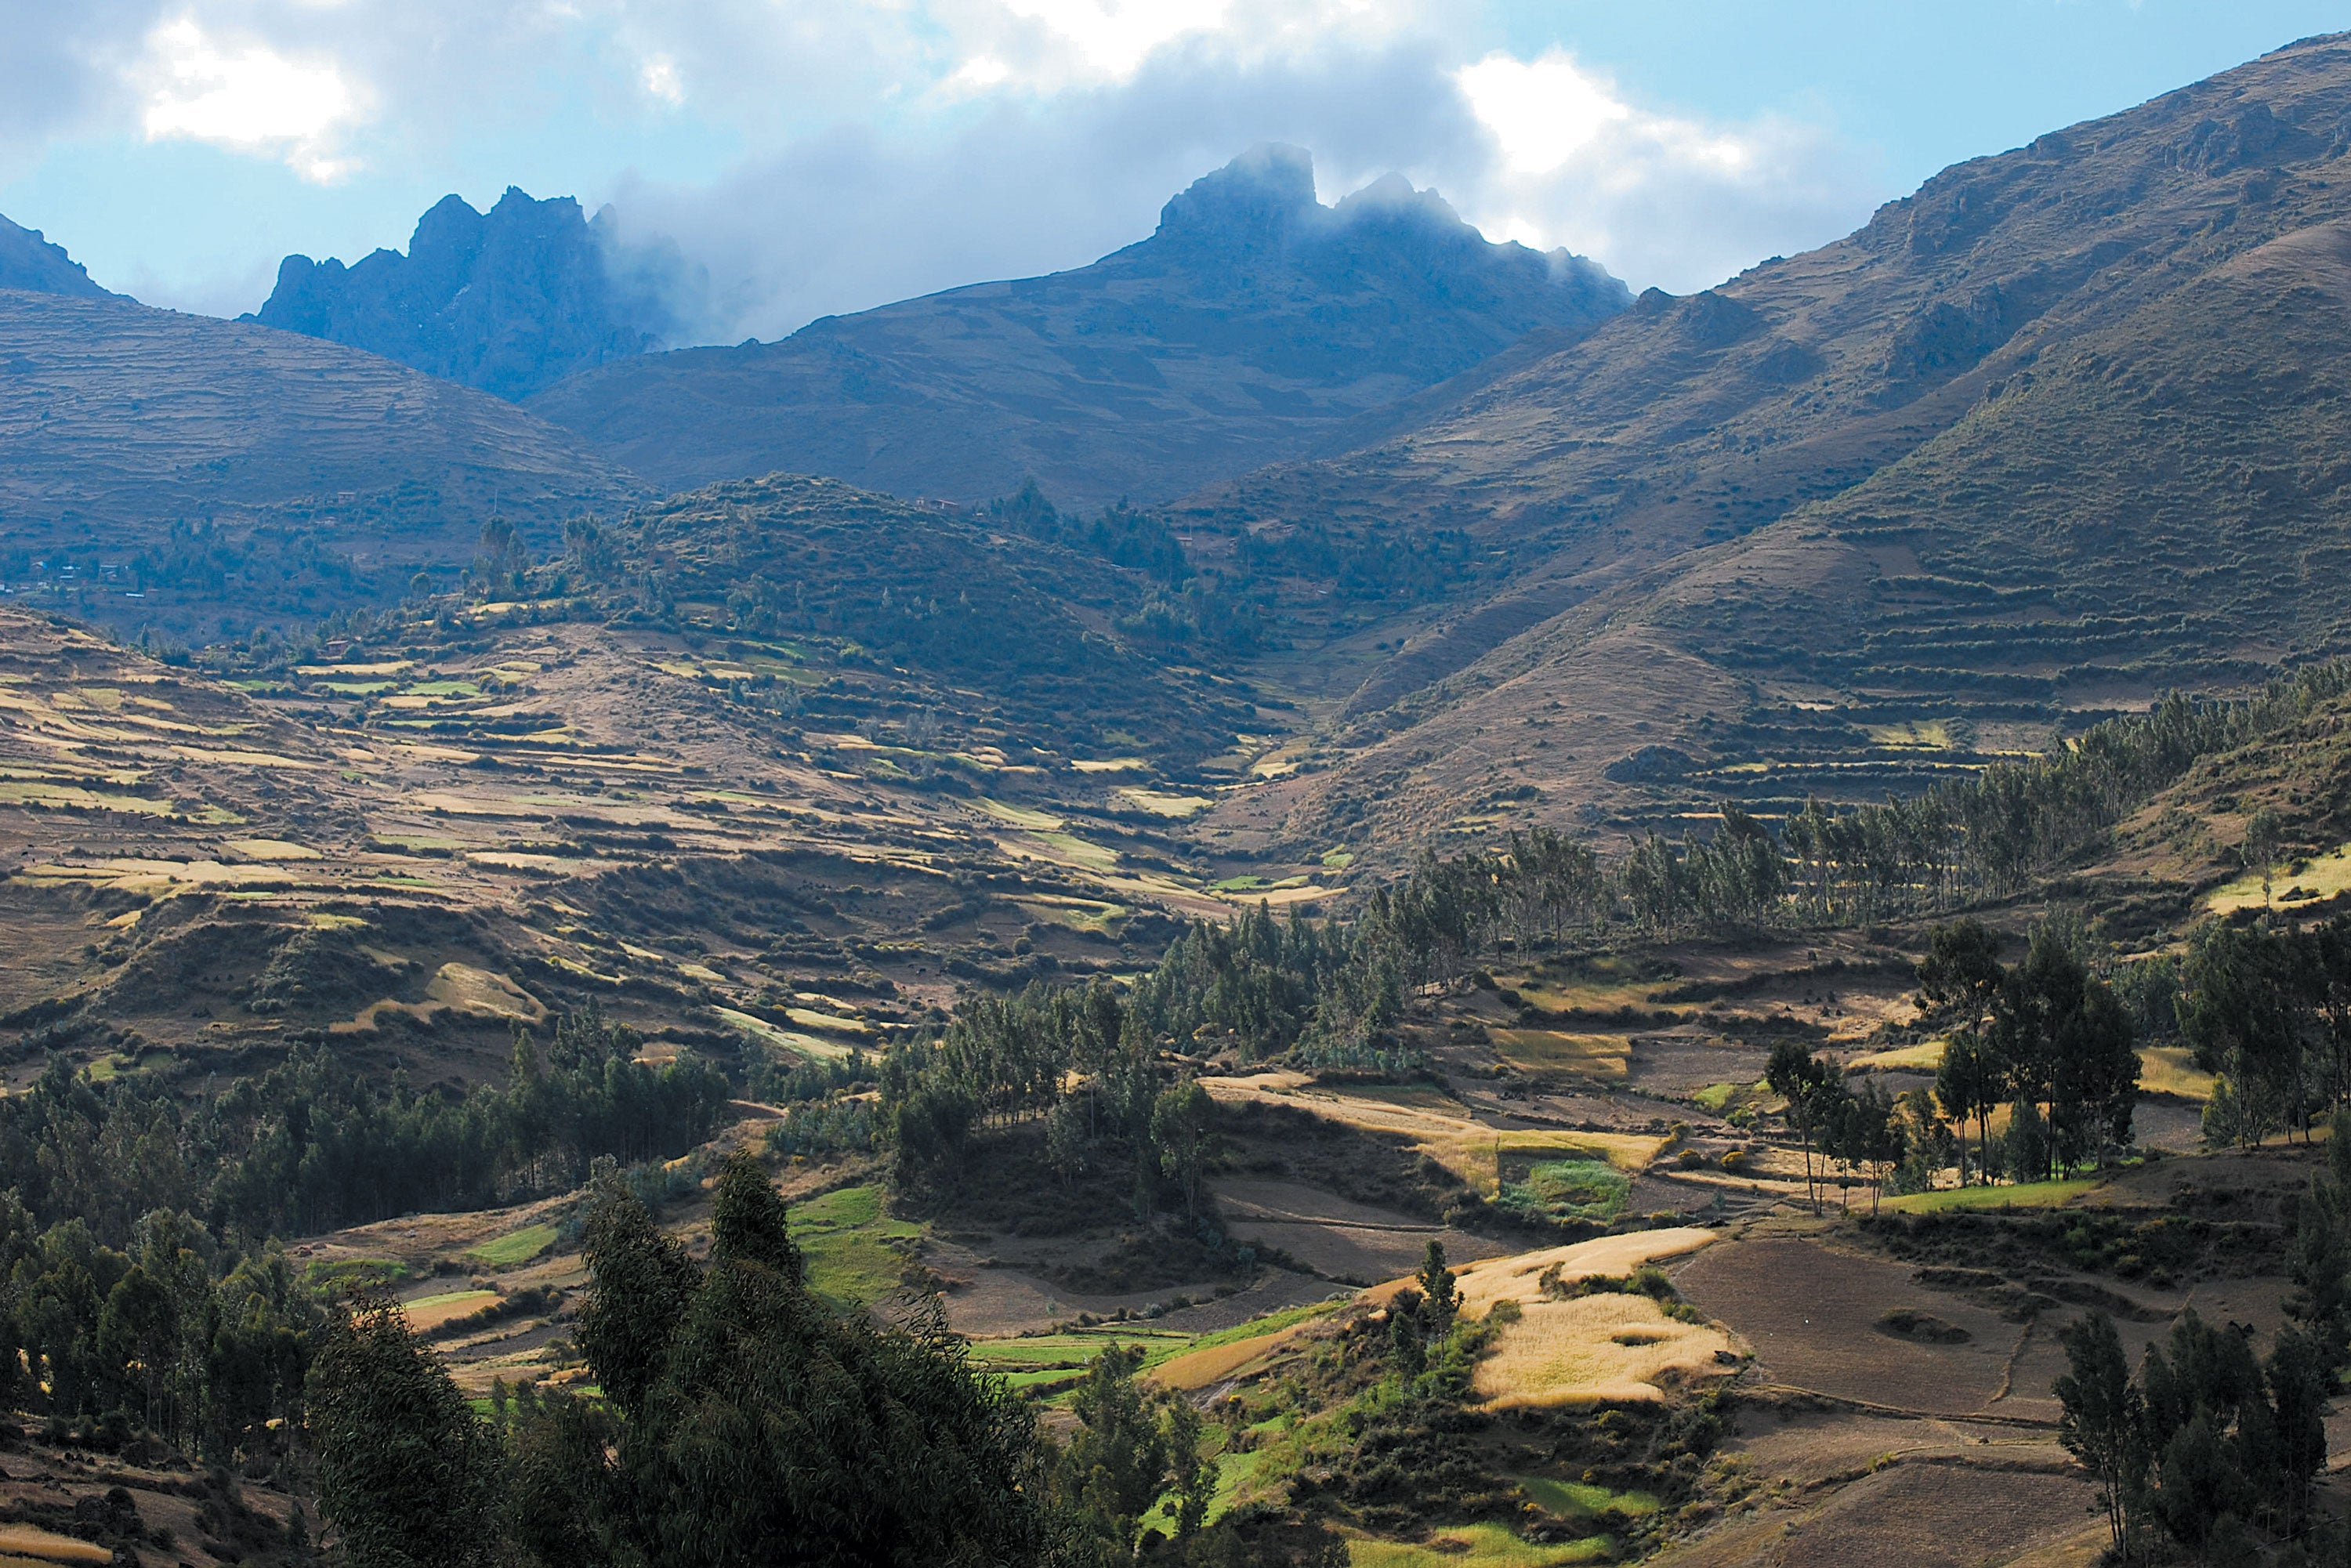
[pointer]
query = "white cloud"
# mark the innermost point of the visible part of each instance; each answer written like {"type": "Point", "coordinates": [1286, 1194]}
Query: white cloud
{"type": "Point", "coordinates": [823, 155]}
{"type": "Point", "coordinates": [980, 72]}
{"type": "Point", "coordinates": [1113, 36]}
{"type": "Point", "coordinates": [247, 97]}
{"type": "Point", "coordinates": [1658, 198]}
{"type": "Point", "coordinates": [1542, 111]}
{"type": "Point", "coordinates": [662, 82]}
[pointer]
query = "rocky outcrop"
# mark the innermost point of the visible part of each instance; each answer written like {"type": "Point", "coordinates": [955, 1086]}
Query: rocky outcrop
{"type": "Point", "coordinates": [508, 301]}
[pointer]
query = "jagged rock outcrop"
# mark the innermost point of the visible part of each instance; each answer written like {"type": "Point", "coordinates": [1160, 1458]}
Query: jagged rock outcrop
{"type": "Point", "coordinates": [508, 301]}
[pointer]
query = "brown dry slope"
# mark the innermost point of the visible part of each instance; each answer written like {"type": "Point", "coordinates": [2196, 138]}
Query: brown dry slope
{"type": "Point", "coordinates": [117, 420]}
{"type": "Point", "coordinates": [408, 853]}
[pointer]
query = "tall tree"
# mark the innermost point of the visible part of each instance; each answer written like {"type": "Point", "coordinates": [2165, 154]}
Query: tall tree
{"type": "Point", "coordinates": [409, 1477]}
{"type": "Point", "coordinates": [2101, 1418]}
{"type": "Point", "coordinates": [1802, 1080]}
{"type": "Point", "coordinates": [1441, 1298]}
{"type": "Point", "coordinates": [1971, 1085]}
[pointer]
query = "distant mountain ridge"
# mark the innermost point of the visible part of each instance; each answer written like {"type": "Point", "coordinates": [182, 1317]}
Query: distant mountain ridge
{"type": "Point", "coordinates": [508, 301]}
{"type": "Point", "coordinates": [1254, 321]}
{"type": "Point", "coordinates": [29, 262]}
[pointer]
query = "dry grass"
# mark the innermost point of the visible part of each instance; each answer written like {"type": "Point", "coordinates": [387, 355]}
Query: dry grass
{"type": "Point", "coordinates": [30, 1541]}
{"type": "Point", "coordinates": [1597, 1056]}
{"type": "Point", "coordinates": [1601, 1349]}
{"type": "Point", "coordinates": [2323, 877]}
{"type": "Point", "coordinates": [1443, 1131]}
{"type": "Point", "coordinates": [1924, 1057]}
{"type": "Point", "coordinates": [2166, 1070]}
{"type": "Point", "coordinates": [1518, 1278]}
{"type": "Point", "coordinates": [429, 1313]}
{"type": "Point", "coordinates": [460, 990]}
{"type": "Point", "coordinates": [1199, 1368]}
{"type": "Point", "coordinates": [1604, 1348]}
{"type": "Point", "coordinates": [1477, 1546]}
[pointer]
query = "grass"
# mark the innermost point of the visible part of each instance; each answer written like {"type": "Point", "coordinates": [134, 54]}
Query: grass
{"type": "Point", "coordinates": [1607, 1348]}
{"type": "Point", "coordinates": [1077, 852]}
{"type": "Point", "coordinates": [1477, 1546]}
{"type": "Point", "coordinates": [854, 1251]}
{"type": "Point", "coordinates": [1932, 734]}
{"type": "Point", "coordinates": [1217, 1356]}
{"type": "Point", "coordinates": [428, 1313]}
{"type": "Point", "coordinates": [31, 1540]}
{"type": "Point", "coordinates": [2323, 876]}
{"type": "Point", "coordinates": [515, 1247]}
{"type": "Point", "coordinates": [1580, 1500]}
{"type": "Point", "coordinates": [1160, 803]}
{"type": "Point", "coordinates": [1234, 1471]}
{"type": "Point", "coordinates": [2167, 1070]}
{"type": "Point", "coordinates": [1924, 1057]}
{"type": "Point", "coordinates": [792, 1041]}
{"type": "Point", "coordinates": [1551, 1050]}
{"type": "Point", "coordinates": [1258, 1328]}
{"type": "Point", "coordinates": [354, 1273]}
{"type": "Point", "coordinates": [1475, 1156]}
{"type": "Point", "coordinates": [1569, 1189]}
{"type": "Point", "coordinates": [106, 1068]}
{"type": "Point", "coordinates": [1019, 816]}
{"type": "Point", "coordinates": [2026, 1195]}
{"type": "Point", "coordinates": [1716, 1097]}
{"type": "Point", "coordinates": [1047, 1352]}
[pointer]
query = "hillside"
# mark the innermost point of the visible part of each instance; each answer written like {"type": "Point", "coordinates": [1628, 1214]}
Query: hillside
{"type": "Point", "coordinates": [177, 470]}
{"type": "Point", "coordinates": [1254, 322]}
{"type": "Point", "coordinates": [29, 262]}
{"type": "Point", "coordinates": [2054, 433]}
{"type": "Point", "coordinates": [508, 301]}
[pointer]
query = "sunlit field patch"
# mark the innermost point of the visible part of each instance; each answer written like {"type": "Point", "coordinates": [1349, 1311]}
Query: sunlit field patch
{"type": "Point", "coordinates": [1477, 1546]}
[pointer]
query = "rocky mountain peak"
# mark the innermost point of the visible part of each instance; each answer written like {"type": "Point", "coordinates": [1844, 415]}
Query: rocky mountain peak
{"type": "Point", "coordinates": [1257, 199]}
{"type": "Point", "coordinates": [508, 301]}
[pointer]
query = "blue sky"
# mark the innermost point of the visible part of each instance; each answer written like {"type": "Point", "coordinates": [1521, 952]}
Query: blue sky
{"type": "Point", "coordinates": [823, 155]}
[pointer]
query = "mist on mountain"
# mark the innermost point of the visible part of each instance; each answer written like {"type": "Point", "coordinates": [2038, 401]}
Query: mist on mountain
{"type": "Point", "coordinates": [1251, 324]}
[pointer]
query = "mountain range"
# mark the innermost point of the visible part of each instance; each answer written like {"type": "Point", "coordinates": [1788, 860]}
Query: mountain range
{"type": "Point", "coordinates": [2052, 434]}
{"type": "Point", "coordinates": [1492, 543]}
{"type": "Point", "coordinates": [1253, 324]}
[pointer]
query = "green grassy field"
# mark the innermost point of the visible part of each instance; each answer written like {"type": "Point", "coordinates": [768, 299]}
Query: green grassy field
{"type": "Point", "coordinates": [1477, 1546]}
{"type": "Point", "coordinates": [2027, 1195]}
{"type": "Point", "coordinates": [1569, 1189]}
{"type": "Point", "coordinates": [515, 1247]}
{"type": "Point", "coordinates": [354, 1273]}
{"type": "Point", "coordinates": [1580, 1499]}
{"type": "Point", "coordinates": [1257, 1328]}
{"type": "Point", "coordinates": [848, 1241]}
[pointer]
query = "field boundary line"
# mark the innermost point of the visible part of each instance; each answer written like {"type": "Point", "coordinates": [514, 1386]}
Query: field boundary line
{"type": "Point", "coordinates": [1896, 1412]}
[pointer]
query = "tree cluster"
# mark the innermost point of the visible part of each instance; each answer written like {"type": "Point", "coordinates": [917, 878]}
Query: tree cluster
{"type": "Point", "coordinates": [2269, 1010]}
{"type": "Point", "coordinates": [743, 1421]}
{"type": "Point", "coordinates": [312, 1145]}
{"type": "Point", "coordinates": [2209, 1448]}
{"type": "Point", "coordinates": [175, 1335]}
{"type": "Point", "coordinates": [2044, 1037]}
